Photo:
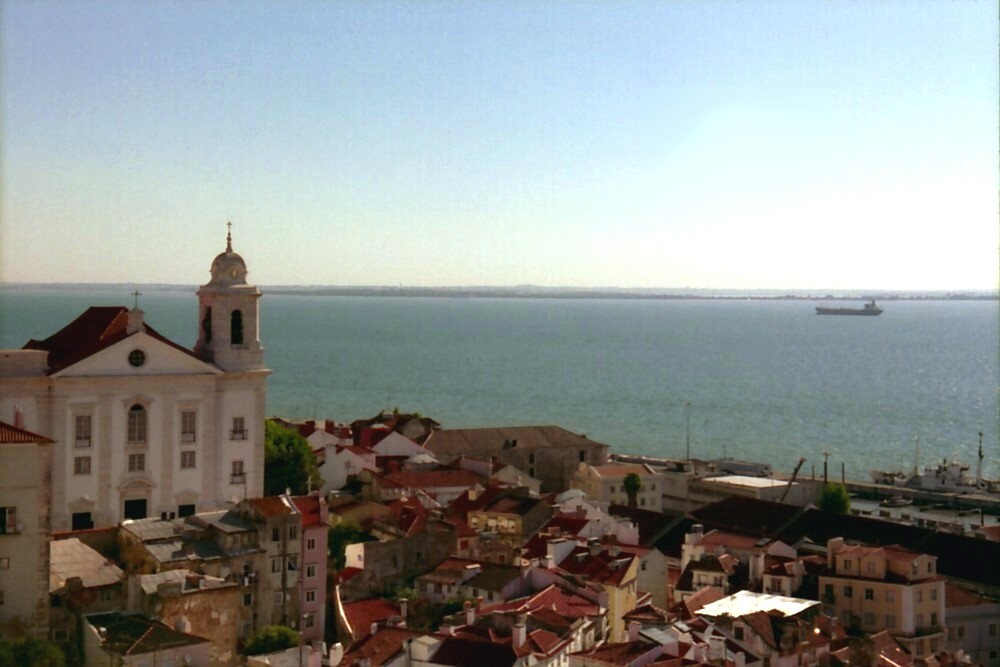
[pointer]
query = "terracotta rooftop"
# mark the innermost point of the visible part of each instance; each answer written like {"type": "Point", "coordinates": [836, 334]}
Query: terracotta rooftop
{"type": "Point", "coordinates": [601, 567]}
{"type": "Point", "coordinates": [362, 613]}
{"type": "Point", "coordinates": [526, 437]}
{"type": "Point", "coordinates": [554, 597]}
{"type": "Point", "coordinates": [434, 479]}
{"type": "Point", "coordinates": [10, 434]}
{"type": "Point", "coordinates": [309, 508]}
{"type": "Point", "coordinates": [97, 328]}
{"type": "Point", "coordinates": [723, 539]}
{"type": "Point", "coordinates": [269, 506]}
{"type": "Point", "coordinates": [379, 648]}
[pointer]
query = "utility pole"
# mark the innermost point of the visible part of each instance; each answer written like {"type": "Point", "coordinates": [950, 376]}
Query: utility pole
{"type": "Point", "coordinates": [826, 479]}
{"type": "Point", "coordinates": [687, 424]}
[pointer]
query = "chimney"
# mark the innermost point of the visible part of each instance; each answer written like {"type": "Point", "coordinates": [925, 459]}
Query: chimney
{"type": "Point", "coordinates": [741, 659]}
{"type": "Point", "coordinates": [633, 631]}
{"type": "Point", "coordinates": [374, 628]}
{"type": "Point", "coordinates": [756, 566]}
{"type": "Point", "coordinates": [18, 417]}
{"type": "Point", "coordinates": [402, 608]}
{"type": "Point", "coordinates": [520, 630]}
{"type": "Point", "coordinates": [833, 545]}
{"type": "Point", "coordinates": [548, 562]}
{"type": "Point", "coordinates": [716, 647]}
{"type": "Point", "coordinates": [135, 323]}
{"type": "Point", "coordinates": [615, 550]}
{"type": "Point", "coordinates": [470, 613]}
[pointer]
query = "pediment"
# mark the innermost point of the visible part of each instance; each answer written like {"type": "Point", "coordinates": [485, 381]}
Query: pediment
{"type": "Point", "coordinates": [157, 358]}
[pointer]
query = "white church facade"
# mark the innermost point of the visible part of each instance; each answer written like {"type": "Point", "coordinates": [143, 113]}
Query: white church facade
{"type": "Point", "coordinates": [142, 425]}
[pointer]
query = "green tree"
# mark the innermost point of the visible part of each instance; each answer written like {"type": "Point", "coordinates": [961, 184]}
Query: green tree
{"type": "Point", "coordinates": [340, 536]}
{"type": "Point", "coordinates": [30, 651]}
{"type": "Point", "coordinates": [269, 639]}
{"type": "Point", "coordinates": [834, 498]}
{"type": "Point", "coordinates": [289, 462]}
{"type": "Point", "coordinates": [632, 485]}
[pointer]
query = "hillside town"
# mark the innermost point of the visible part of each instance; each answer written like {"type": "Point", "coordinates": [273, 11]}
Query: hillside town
{"type": "Point", "coordinates": [144, 521]}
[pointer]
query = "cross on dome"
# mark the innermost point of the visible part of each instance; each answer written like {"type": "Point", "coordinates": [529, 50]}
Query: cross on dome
{"type": "Point", "coordinates": [229, 237]}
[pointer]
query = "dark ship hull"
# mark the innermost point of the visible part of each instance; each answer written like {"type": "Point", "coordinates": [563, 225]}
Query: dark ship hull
{"type": "Point", "coordinates": [869, 310]}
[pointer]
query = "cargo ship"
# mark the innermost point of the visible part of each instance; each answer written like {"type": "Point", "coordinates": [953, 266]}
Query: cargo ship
{"type": "Point", "coordinates": [869, 309]}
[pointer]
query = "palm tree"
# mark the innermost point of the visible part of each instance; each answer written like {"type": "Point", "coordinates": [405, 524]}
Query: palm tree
{"type": "Point", "coordinates": [632, 485]}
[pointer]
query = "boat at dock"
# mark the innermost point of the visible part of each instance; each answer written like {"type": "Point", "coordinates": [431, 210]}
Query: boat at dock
{"type": "Point", "coordinates": [869, 309]}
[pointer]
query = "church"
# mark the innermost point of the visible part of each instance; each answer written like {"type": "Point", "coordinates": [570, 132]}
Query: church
{"type": "Point", "coordinates": [143, 426]}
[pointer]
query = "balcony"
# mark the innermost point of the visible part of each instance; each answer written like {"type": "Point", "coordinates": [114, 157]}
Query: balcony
{"type": "Point", "coordinates": [83, 442]}
{"type": "Point", "coordinates": [240, 434]}
{"type": "Point", "coordinates": [188, 437]}
{"type": "Point", "coordinates": [238, 478]}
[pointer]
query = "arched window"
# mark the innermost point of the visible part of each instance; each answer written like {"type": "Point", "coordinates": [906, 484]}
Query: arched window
{"type": "Point", "coordinates": [206, 325]}
{"type": "Point", "coordinates": [236, 328]}
{"type": "Point", "coordinates": [137, 425]}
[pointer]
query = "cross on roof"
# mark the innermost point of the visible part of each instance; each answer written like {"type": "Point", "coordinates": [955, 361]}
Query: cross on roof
{"type": "Point", "coordinates": [136, 294]}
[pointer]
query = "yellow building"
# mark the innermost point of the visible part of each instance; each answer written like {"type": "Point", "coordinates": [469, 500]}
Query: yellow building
{"type": "Point", "coordinates": [892, 588]}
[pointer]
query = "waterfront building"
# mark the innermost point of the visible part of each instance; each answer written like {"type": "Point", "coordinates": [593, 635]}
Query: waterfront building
{"type": "Point", "coordinates": [605, 483]}
{"type": "Point", "coordinates": [144, 426]}
{"type": "Point", "coordinates": [892, 588]}
{"type": "Point", "coordinates": [547, 453]}
{"type": "Point", "coordinates": [24, 531]}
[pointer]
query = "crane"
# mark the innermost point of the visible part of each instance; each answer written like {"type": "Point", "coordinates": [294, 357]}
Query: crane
{"type": "Point", "coordinates": [791, 480]}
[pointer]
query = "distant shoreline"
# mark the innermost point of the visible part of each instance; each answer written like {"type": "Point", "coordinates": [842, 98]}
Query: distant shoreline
{"type": "Point", "coordinates": [535, 292]}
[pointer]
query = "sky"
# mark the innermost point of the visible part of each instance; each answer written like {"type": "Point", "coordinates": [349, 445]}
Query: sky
{"type": "Point", "coordinates": [729, 144]}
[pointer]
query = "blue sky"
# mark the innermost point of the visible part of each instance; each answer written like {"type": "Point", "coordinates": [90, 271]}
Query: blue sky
{"type": "Point", "coordinates": [649, 144]}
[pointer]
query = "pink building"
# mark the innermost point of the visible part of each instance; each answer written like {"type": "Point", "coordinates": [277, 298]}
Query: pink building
{"type": "Point", "coordinates": [313, 580]}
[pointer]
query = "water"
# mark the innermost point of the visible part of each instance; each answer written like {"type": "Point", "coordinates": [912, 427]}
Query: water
{"type": "Point", "coordinates": [767, 380]}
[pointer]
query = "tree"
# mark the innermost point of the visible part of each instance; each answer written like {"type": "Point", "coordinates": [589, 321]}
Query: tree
{"type": "Point", "coordinates": [289, 462]}
{"type": "Point", "coordinates": [340, 536]}
{"type": "Point", "coordinates": [30, 651]}
{"type": "Point", "coordinates": [834, 498]}
{"type": "Point", "coordinates": [269, 639]}
{"type": "Point", "coordinates": [632, 485]}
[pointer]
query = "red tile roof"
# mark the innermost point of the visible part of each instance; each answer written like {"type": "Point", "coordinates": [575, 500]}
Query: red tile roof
{"type": "Point", "coordinates": [97, 328]}
{"type": "Point", "coordinates": [602, 567]}
{"type": "Point", "coordinates": [309, 508]}
{"type": "Point", "coordinates": [362, 613]}
{"type": "Point", "coordinates": [434, 479]}
{"type": "Point", "coordinates": [554, 597]}
{"type": "Point", "coordinates": [461, 652]}
{"type": "Point", "coordinates": [545, 642]}
{"type": "Point", "coordinates": [269, 506]}
{"type": "Point", "coordinates": [618, 653]}
{"type": "Point", "coordinates": [380, 647]}
{"type": "Point", "coordinates": [10, 434]}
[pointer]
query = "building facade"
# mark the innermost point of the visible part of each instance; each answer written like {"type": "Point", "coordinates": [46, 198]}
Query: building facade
{"type": "Point", "coordinates": [144, 426]}
{"type": "Point", "coordinates": [24, 531]}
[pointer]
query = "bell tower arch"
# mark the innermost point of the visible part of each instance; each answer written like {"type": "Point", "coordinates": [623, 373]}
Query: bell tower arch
{"type": "Point", "coordinates": [228, 315]}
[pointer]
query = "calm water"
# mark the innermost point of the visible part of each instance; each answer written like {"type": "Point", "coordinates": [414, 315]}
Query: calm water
{"type": "Point", "coordinates": [767, 380]}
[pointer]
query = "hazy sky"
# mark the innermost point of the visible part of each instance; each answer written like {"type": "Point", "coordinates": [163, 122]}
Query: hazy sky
{"type": "Point", "coordinates": [841, 144]}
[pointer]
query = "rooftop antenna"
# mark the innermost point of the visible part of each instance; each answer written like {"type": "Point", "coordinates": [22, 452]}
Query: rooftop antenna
{"type": "Point", "coordinates": [916, 454]}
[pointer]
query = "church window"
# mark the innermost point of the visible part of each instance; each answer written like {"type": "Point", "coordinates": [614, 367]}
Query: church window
{"type": "Point", "coordinates": [185, 510]}
{"type": "Point", "coordinates": [137, 358]}
{"type": "Point", "coordinates": [236, 328]}
{"type": "Point", "coordinates": [81, 430]}
{"type": "Point", "coordinates": [239, 431]}
{"type": "Point", "coordinates": [583, 456]}
{"type": "Point", "coordinates": [206, 325]}
{"type": "Point", "coordinates": [189, 419]}
{"type": "Point", "coordinates": [137, 425]}
{"type": "Point", "coordinates": [136, 462]}
{"type": "Point", "coordinates": [188, 459]}
{"type": "Point", "coordinates": [81, 465]}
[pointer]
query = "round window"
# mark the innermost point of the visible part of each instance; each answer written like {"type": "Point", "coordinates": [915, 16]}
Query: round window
{"type": "Point", "coordinates": [137, 358]}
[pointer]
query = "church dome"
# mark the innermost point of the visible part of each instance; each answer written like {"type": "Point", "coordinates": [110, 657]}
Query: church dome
{"type": "Point", "coordinates": [228, 268]}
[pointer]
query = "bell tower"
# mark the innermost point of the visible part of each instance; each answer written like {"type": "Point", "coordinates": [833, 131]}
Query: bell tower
{"type": "Point", "coordinates": [228, 323]}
